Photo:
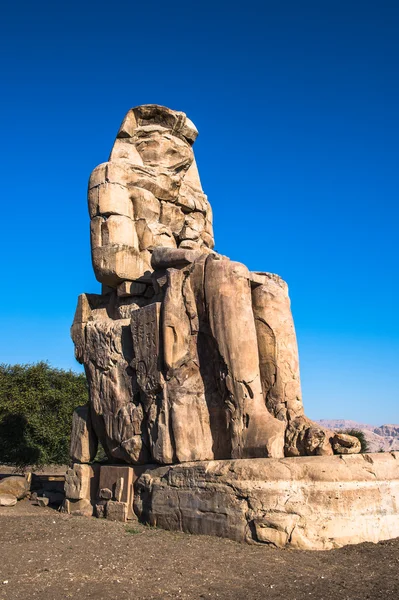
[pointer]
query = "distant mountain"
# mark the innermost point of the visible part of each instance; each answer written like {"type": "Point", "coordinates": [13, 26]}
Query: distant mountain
{"type": "Point", "coordinates": [384, 437]}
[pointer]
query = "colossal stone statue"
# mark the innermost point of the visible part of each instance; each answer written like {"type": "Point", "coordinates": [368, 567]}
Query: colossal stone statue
{"type": "Point", "coordinates": [189, 356]}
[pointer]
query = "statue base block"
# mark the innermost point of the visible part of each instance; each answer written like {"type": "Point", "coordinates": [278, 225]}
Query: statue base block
{"type": "Point", "coordinates": [310, 503]}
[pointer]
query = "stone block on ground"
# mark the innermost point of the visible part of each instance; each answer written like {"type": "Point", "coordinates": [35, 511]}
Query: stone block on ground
{"type": "Point", "coordinates": [117, 511]}
{"type": "Point", "coordinates": [15, 485]}
{"type": "Point", "coordinates": [42, 501]}
{"type": "Point", "coordinates": [78, 508]}
{"type": "Point", "coordinates": [7, 499]}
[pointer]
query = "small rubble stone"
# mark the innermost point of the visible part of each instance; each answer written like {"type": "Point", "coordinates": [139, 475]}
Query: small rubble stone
{"type": "Point", "coordinates": [43, 501]}
{"type": "Point", "coordinates": [100, 510]}
{"type": "Point", "coordinates": [105, 494]}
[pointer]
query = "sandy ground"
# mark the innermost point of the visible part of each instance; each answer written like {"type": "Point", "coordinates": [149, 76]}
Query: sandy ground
{"type": "Point", "coordinates": [48, 555]}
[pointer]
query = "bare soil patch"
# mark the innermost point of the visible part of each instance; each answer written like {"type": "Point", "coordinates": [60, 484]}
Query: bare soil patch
{"type": "Point", "coordinates": [50, 555]}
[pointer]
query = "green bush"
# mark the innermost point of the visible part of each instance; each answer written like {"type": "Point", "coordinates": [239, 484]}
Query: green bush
{"type": "Point", "coordinates": [364, 447]}
{"type": "Point", "coordinates": [36, 406]}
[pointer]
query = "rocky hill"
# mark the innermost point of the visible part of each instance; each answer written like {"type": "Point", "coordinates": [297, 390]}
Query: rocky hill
{"type": "Point", "coordinates": [383, 437]}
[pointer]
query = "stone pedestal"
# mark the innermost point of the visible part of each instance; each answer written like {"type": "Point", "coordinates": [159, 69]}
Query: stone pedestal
{"type": "Point", "coordinates": [311, 503]}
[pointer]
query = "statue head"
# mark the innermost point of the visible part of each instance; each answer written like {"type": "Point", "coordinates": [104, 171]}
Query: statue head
{"type": "Point", "coordinates": [147, 195]}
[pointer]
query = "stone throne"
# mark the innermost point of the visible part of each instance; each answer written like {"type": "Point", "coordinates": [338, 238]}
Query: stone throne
{"type": "Point", "coordinates": [193, 373]}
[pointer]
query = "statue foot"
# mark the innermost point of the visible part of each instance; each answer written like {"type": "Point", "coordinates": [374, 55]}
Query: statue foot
{"type": "Point", "coordinates": [303, 437]}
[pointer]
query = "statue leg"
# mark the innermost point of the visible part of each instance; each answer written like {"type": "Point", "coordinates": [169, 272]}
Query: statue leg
{"type": "Point", "coordinates": [255, 432]}
{"type": "Point", "coordinates": [279, 370]}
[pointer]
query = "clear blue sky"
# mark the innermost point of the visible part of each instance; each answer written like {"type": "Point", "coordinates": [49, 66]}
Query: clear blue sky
{"type": "Point", "coordinates": [297, 104]}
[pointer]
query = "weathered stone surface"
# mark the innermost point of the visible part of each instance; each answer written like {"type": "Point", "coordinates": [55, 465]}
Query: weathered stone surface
{"type": "Point", "coordinates": [42, 501]}
{"type": "Point", "coordinates": [131, 288]}
{"type": "Point", "coordinates": [81, 481]}
{"type": "Point", "coordinates": [118, 481]}
{"type": "Point", "coordinates": [78, 508]}
{"type": "Point", "coordinates": [105, 494]}
{"type": "Point", "coordinates": [116, 411]}
{"type": "Point", "coordinates": [255, 431]}
{"type": "Point", "coordinates": [312, 503]}
{"type": "Point", "coordinates": [15, 485]}
{"type": "Point", "coordinates": [278, 350]}
{"type": "Point", "coordinates": [7, 499]}
{"type": "Point", "coordinates": [344, 444]}
{"type": "Point", "coordinates": [116, 511]}
{"type": "Point", "coordinates": [84, 441]}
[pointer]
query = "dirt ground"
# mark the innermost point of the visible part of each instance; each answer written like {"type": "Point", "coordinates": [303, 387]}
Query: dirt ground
{"type": "Point", "coordinates": [48, 555]}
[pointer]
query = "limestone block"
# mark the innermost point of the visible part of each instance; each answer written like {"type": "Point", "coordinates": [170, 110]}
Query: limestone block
{"type": "Point", "coordinates": [105, 493]}
{"type": "Point", "coordinates": [43, 501]}
{"type": "Point", "coordinates": [172, 216]}
{"type": "Point", "coordinates": [309, 503]}
{"type": "Point", "coordinates": [163, 258]}
{"type": "Point", "coordinates": [95, 232]}
{"type": "Point", "coordinates": [131, 288]}
{"type": "Point", "coordinates": [191, 198]}
{"type": "Point", "coordinates": [81, 482]}
{"type": "Point", "coordinates": [189, 130]}
{"type": "Point", "coordinates": [164, 185]}
{"type": "Point", "coordinates": [207, 239]}
{"type": "Point", "coordinates": [117, 511]}
{"type": "Point", "coordinates": [125, 150]}
{"type": "Point", "coordinates": [15, 485]}
{"type": "Point", "coordinates": [114, 199]}
{"type": "Point", "coordinates": [117, 229]}
{"type": "Point", "coordinates": [84, 441]}
{"type": "Point", "coordinates": [98, 175]}
{"type": "Point", "coordinates": [191, 244]}
{"type": "Point", "coordinates": [128, 125]}
{"type": "Point", "coordinates": [7, 499]}
{"type": "Point", "coordinates": [110, 479]}
{"type": "Point", "coordinates": [119, 488]}
{"type": "Point", "coordinates": [152, 235]}
{"type": "Point", "coordinates": [145, 205]}
{"type": "Point", "coordinates": [192, 177]}
{"type": "Point", "coordinates": [78, 508]}
{"type": "Point", "coordinates": [188, 233]}
{"type": "Point", "coordinates": [161, 236]}
{"type": "Point", "coordinates": [345, 444]}
{"type": "Point", "coordinates": [113, 264]}
{"type": "Point", "coordinates": [195, 221]}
